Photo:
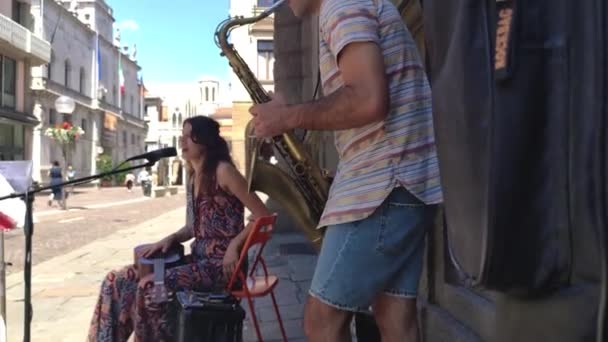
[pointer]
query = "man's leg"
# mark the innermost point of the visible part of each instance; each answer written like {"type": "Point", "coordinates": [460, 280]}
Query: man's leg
{"type": "Point", "coordinates": [397, 318]}
{"type": "Point", "coordinates": [342, 283]}
{"type": "Point", "coordinates": [324, 323]}
{"type": "Point", "coordinates": [407, 221]}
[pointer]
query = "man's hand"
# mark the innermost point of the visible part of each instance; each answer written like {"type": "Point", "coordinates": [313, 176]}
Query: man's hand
{"type": "Point", "coordinates": [272, 118]}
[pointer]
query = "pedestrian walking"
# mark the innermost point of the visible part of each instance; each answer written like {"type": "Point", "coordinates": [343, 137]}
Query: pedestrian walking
{"type": "Point", "coordinates": [129, 181]}
{"type": "Point", "coordinates": [57, 192]}
{"type": "Point", "coordinates": [71, 175]}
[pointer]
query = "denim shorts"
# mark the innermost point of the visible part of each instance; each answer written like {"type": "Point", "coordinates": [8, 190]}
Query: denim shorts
{"type": "Point", "coordinates": [383, 253]}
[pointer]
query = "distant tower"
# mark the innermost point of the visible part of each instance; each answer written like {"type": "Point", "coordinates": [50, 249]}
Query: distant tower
{"type": "Point", "coordinates": [209, 95]}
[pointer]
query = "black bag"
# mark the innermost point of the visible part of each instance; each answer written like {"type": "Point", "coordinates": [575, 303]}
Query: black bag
{"type": "Point", "coordinates": [519, 100]}
{"type": "Point", "coordinates": [209, 317]}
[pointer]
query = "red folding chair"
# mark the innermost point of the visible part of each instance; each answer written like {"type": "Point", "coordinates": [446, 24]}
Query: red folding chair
{"type": "Point", "coordinates": [257, 286]}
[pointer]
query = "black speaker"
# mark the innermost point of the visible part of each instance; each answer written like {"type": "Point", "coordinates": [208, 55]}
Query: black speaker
{"type": "Point", "coordinates": [200, 316]}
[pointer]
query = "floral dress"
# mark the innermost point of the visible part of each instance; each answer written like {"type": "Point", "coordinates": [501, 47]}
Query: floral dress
{"type": "Point", "coordinates": [124, 307]}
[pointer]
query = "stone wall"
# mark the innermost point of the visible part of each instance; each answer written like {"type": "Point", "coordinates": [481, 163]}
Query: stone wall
{"type": "Point", "coordinates": [296, 73]}
{"type": "Point", "coordinates": [240, 118]}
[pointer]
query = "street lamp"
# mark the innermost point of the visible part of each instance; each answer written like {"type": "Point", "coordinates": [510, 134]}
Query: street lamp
{"type": "Point", "coordinates": [65, 105]}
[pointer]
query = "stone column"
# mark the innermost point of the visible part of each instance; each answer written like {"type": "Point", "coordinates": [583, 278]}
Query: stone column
{"type": "Point", "coordinates": [37, 142]}
{"type": "Point", "coordinates": [94, 133]}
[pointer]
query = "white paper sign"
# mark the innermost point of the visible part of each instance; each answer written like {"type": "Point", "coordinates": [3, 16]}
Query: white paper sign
{"type": "Point", "coordinates": [15, 177]}
{"type": "Point", "coordinates": [14, 207]}
{"type": "Point", "coordinates": [18, 174]}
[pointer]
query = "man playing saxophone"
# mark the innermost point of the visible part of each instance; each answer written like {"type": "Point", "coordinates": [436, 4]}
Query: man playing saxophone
{"type": "Point", "coordinates": [386, 187]}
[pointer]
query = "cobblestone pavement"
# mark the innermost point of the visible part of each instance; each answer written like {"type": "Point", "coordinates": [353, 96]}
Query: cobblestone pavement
{"type": "Point", "coordinates": [91, 214]}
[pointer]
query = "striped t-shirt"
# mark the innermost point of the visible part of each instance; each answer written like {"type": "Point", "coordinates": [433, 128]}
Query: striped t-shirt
{"type": "Point", "coordinates": [397, 151]}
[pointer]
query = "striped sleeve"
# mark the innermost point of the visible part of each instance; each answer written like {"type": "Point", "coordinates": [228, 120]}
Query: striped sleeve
{"type": "Point", "coordinates": [345, 22]}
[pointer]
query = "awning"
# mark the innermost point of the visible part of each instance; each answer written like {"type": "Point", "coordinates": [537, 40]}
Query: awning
{"type": "Point", "coordinates": [23, 118]}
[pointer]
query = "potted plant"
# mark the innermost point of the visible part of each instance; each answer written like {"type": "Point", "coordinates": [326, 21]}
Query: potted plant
{"type": "Point", "coordinates": [104, 164]}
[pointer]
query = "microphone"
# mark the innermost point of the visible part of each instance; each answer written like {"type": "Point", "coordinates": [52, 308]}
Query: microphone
{"type": "Point", "coordinates": [155, 156]}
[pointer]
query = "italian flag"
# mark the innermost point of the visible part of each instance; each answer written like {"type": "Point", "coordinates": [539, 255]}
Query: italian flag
{"type": "Point", "coordinates": [121, 77]}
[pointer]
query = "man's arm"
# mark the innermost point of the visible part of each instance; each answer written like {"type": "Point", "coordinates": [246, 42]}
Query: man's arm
{"type": "Point", "coordinates": [351, 33]}
{"type": "Point", "coordinates": [362, 100]}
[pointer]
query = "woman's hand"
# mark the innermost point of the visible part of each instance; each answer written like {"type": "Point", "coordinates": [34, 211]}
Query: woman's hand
{"type": "Point", "coordinates": [161, 246]}
{"type": "Point", "coordinates": [231, 258]}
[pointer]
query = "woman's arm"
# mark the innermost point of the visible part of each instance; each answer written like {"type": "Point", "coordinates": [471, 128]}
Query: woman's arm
{"type": "Point", "coordinates": [231, 180]}
{"type": "Point", "coordinates": [182, 235]}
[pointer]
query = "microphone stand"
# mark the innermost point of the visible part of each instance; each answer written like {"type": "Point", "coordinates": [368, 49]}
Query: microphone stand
{"type": "Point", "coordinates": [28, 198]}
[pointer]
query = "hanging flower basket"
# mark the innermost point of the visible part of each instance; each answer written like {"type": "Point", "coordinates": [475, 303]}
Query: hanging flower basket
{"type": "Point", "coordinates": [65, 135]}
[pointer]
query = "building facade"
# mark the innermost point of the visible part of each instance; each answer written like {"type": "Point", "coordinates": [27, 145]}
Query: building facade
{"type": "Point", "coordinates": [255, 44]}
{"type": "Point", "coordinates": [21, 48]}
{"type": "Point", "coordinates": [85, 65]}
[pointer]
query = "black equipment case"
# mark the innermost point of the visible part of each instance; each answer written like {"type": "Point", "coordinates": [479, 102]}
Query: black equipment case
{"type": "Point", "coordinates": [207, 317]}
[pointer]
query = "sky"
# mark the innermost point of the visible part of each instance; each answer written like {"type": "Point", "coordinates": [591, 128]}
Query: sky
{"type": "Point", "coordinates": [174, 38]}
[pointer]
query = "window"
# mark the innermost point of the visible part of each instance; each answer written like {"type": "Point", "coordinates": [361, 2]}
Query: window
{"type": "Point", "coordinates": [17, 14]}
{"type": "Point", "coordinates": [9, 82]}
{"type": "Point", "coordinates": [265, 3]}
{"type": "Point", "coordinates": [49, 67]}
{"type": "Point", "coordinates": [179, 118]}
{"type": "Point", "coordinates": [81, 81]}
{"type": "Point", "coordinates": [83, 125]}
{"type": "Point", "coordinates": [174, 142]}
{"type": "Point", "coordinates": [52, 117]}
{"type": "Point", "coordinates": [213, 94]}
{"type": "Point", "coordinates": [114, 95]}
{"type": "Point", "coordinates": [132, 138]}
{"type": "Point", "coordinates": [265, 60]}
{"type": "Point", "coordinates": [132, 105]}
{"type": "Point", "coordinates": [67, 71]}
{"type": "Point", "coordinates": [174, 120]}
{"type": "Point", "coordinates": [124, 138]}
{"type": "Point", "coordinates": [11, 142]}
{"type": "Point", "coordinates": [206, 94]}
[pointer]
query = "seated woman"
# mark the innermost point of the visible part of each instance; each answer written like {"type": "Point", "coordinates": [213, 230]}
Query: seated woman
{"type": "Point", "coordinates": [217, 194]}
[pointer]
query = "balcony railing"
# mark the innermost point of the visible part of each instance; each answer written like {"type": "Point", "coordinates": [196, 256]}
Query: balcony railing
{"type": "Point", "coordinates": [23, 42]}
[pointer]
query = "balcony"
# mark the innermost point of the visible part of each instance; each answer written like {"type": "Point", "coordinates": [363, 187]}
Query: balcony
{"type": "Point", "coordinates": [23, 42]}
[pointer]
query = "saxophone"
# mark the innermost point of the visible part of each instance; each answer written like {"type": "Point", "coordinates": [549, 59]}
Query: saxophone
{"type": "Point", "coordinates": [302, 187]}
